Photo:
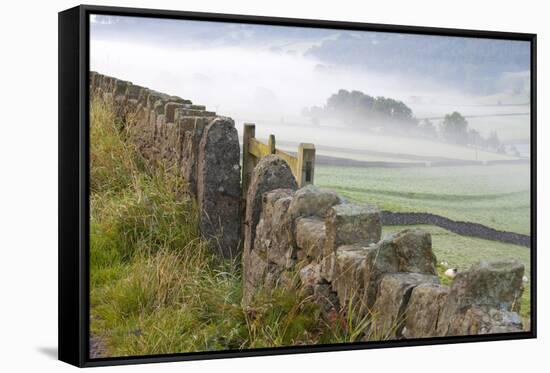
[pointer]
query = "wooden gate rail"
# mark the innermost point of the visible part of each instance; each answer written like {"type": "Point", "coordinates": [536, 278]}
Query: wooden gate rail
{"type": "Point", "coordinates": [302, 165]}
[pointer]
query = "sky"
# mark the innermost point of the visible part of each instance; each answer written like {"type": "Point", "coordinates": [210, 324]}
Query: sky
{"type": "Point", "coordinates": [268, 74]}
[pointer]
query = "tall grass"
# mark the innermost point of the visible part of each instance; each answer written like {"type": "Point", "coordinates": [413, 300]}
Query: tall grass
{"type": "Point", "coordinates": [155, 286]}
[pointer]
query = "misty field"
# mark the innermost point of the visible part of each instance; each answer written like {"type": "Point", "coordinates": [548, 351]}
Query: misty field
{"type": "Point", "coordinates": [349, 143]}
{"type": "Point", "coordinates": [496, 196]}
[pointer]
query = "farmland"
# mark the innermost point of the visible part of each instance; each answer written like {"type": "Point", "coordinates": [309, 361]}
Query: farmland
{"type": "Point", "coordinates": [496, 196]}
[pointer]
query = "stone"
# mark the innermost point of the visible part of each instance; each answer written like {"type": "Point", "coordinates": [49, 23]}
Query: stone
{"type": "Point", "coordinates": [142, 98]}
{"type": "Point", "coordinates": [154, 100]}
{"type": "Point", "coordinates": [261, 276]}
{"type": "Point", "coordinates": [309, 277]}
{"type": "Point", "coordinates": [326, 299]}
{"type": "Point", "coordinates": [271, 172]}
{"type": "Point", "coordinates": [310, 235]}
{"type": "Point", "coordinates": [273, 241]}
{"type": "Point", "coordinates": [483, 320]}
{"type": "Point", "coordinates": [496, 284]}
{"type": "Point", "coordinates": [274, 236]}
{"type": "Point", "coordinates": [380, 258]}
{"type": "Point", "coordinates": [219, 186]}
{"type": "Point", "coordinates": [133, 92]}
{"type": "Point", "coordinates": [143, 134]}
{"type": "Point", "coordinates": [388, 312]}
{"type": "Point", "coordinates": [313, 201]}
{"type": "Point", "coordinates": [255, 271]}
{"type": "Point", "coordinates": [120, 88]}
{"type": "Point", "coordinates": [108, 84]}
{"type": "Point", "coordinates": [347, 281]}
{"type": "Point", "coordinates": [350, 224]}
{"type": "Point", "coordinates": [169, 111]}
{"type": "Point", "coordinates": [192, 129]}
{"type": "Point", "coordinates": [179, 100]}
{"type": "Point", "coordinates": [414, 250]}
{"type": "Point", "coordinates": [423, 311]}
{"type": "Point", "coordinates": [328, 264]}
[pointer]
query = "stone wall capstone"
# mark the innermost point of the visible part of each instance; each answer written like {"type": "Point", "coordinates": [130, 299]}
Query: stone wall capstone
{"type": "Point", "coordinates": [218, 186]}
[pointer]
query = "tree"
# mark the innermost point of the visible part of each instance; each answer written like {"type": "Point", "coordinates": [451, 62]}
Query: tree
{"type": "Point", "coordinates": [454, 128]}
{"type": "Point", "coordinates": [514, 151]}
{"type": "Point", "coordinates": [358, 108]}
{"type": "Point", "coordinates": [493, 141]}
{"type": "Point", "coordinates": [428, 129]}
{"type": "Point", "coordinates": [474, 138]}
{"type": "Point", "coordinates": [314, 114]}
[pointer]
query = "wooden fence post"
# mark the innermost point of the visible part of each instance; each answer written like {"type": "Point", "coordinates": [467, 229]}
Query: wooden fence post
{"type": "Point", "coordinates": [249, 132]}
{"type": "Point", "coordinates": [306, 164]}
{"type": "Point", "coordinates": [271, 144]}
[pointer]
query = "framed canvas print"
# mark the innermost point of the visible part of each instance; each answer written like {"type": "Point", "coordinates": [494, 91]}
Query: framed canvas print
{"type": "Point", "coordinates": [233, 186]}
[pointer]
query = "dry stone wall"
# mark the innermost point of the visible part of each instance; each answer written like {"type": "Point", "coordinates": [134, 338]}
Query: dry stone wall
{"type": "Point", "coordinates": [178, 136]}
{"type": "Point", "coordinates": [332, 251]}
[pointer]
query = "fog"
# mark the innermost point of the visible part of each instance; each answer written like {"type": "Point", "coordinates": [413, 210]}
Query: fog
{"type": "Point", "coordinates": [268, 78]}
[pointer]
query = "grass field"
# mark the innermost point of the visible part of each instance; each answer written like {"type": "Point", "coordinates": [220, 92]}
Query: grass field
{"type": "Point", "coordinates": [496, 196]}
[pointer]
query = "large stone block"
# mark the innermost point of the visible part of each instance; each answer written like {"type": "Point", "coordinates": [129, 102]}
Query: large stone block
{"type": "Point", "coordinates": [218, 186]}
{"type": "Point", "coordinates": [381, 258]}
{"type": "Point", "coordinates": [133, 91]}
{"type": "Point", "coordinates": [313, 201]}
{"type": "Point", "coordinates": [414, 250]}
{"type": "Point", "coordinates": [255, 268]}
{"type": "Point", "coordinates": [274, 237]}
{"type": "Point", "coordinates": [388, 312]}
{"type": "Point", "coordinates": [405, 251]}
{"type": "Point", "coordinates": [170, 109]}
{"type": "Point", "coordinates": [423, 310]}
{"type": "Point", "coordinates": [310, 236]}
{"type": "Point", "coordinates": [155, 101]}
{"type": "Point", "coordinates": [351, 224]}
{"type": "Point", "coordinates": [348, 279]}
{"type": "Point", "coordinates": [483, 320]}
{"type": "Point", "coordinates": [270, 173]}
{"type": "Point", "coordinates": [496, 284]}
{"type": "Point", "coordinates": [120, 87]}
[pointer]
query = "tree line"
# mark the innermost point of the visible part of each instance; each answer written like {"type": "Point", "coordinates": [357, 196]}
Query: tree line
{"type": "Point", "coordinates": [387, 115]}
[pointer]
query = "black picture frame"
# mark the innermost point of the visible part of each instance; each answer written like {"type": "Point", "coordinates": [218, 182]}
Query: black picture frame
{"type": "Point", "coordinates": [74, 183]}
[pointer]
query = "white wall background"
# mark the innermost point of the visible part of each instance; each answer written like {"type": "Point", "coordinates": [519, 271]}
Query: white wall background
{"type": "Point", "coordinates": [28, 184]}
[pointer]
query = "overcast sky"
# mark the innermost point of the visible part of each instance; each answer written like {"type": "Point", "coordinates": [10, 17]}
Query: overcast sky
{"type": "Point", "coordinates": [250, 71]}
